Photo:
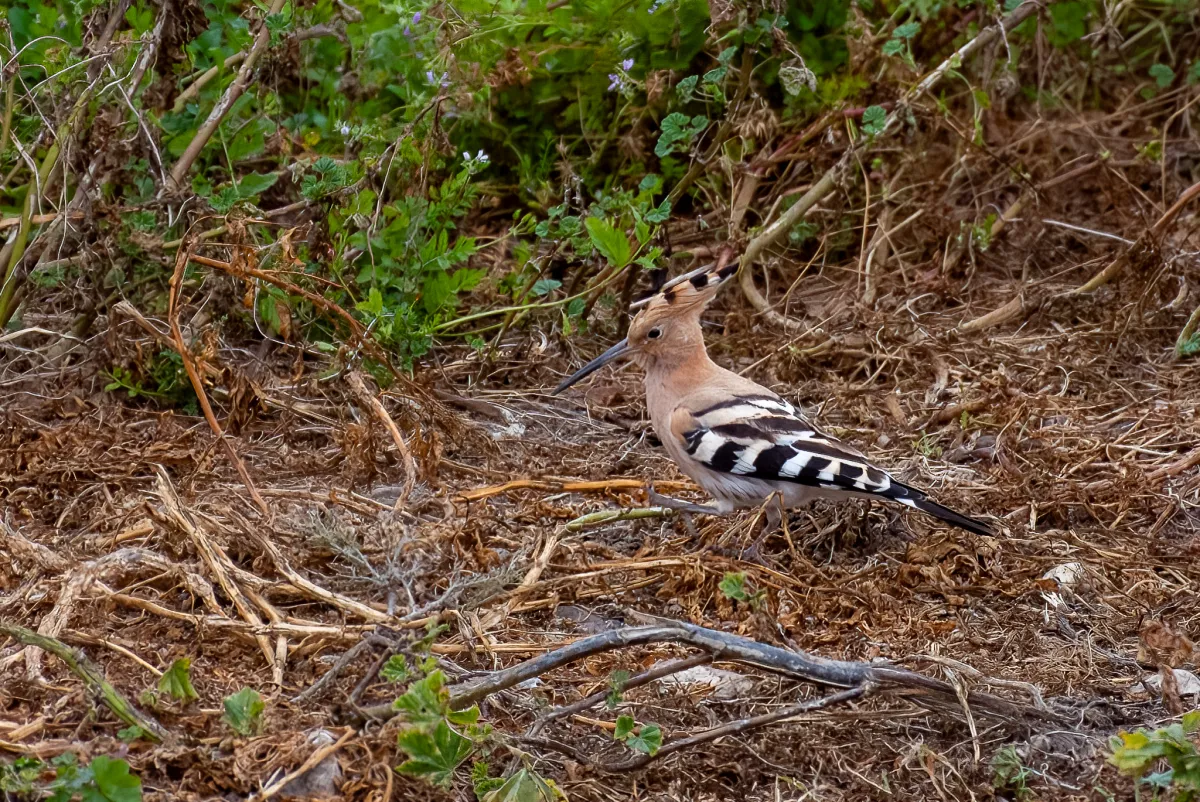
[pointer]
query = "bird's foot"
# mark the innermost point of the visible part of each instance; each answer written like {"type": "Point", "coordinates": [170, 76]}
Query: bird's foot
{"type": "Point", "coordinates": [654, 498]}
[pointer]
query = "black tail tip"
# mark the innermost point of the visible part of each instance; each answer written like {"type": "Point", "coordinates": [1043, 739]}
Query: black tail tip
{"type": "Point", "coordinates": [953, 518]}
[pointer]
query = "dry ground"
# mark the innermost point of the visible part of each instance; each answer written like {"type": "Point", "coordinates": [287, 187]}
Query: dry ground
{"type": "Point", "coordinates": [1067, 419]}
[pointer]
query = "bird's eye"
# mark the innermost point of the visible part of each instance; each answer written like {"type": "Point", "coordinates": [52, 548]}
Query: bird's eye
{"type": "Point", "coordinates": [654, 334]}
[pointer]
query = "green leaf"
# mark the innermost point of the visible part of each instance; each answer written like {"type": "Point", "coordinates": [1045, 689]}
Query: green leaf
{"type": "Point", "coordinates": [113, 780]}
{"type": "Point", "coordinates": [624, 728]}
{"type": "Point", "coordinates": [686, 88]}
{"type": "Point", "coordinates": [130, 734]}
{"type": "Point", "coordinates": [727, 55]}
{"type": "Point", "coordinates": [874, 119]}
{"type": "Point", "coordinates": [677, 129]}
{"type": "Point", "coordinates": [893, 47]}
{"type": "Point", "coordinates": [176, 681]}
{"type": "Point", "coordinates": [647, 741]}
{"type": "Point", "coordinates": [256, 183]}
{"type": "Point", "coordinates": [243, 711]}
{"type": "Point", "coordinates": [616, 686]}
{"type": "Point", "coordinates": [395, 669]}
{"type": "Point", "coordinates": [733, 585]}
{"type": "Point", "coordinates": [1163, 75]}
{"type": "Point", "coordinates": [576, 307]}
{"type": "Point", "coordinates": [715, 76]}
{"type": "Point", "coordinates": [1193, 75]}
{"type": "Point", "coordinates": [613, 244]}
{"type": "Point", "coordinates": [544, 286]}
{"type": "Point", "coordinates": [650, 183]}
{"type": "Point", "coordinates": [660, 214]}
{"type": "Point", "coordinates": [523, 786]}
{"type": "Point", "coordinates": [433, 756]}
{"type": "Point", "coordinates": [906, 31]}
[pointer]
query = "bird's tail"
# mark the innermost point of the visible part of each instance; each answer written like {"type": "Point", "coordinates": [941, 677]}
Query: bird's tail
{"type": "Point", "coordinates": [949, 516]}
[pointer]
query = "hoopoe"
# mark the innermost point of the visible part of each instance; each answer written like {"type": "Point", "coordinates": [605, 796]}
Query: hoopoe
{"type": "Point", "coordinates": [738, 440]}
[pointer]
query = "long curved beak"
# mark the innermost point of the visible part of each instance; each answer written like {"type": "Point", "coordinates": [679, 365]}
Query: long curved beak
{"type": "Point", "coordinates": [617, 351]}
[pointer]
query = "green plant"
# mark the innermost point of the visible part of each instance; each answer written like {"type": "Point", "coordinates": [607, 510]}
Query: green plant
{"type": "Point", "coordinates": [646, 739]}
{"type": "Point", "coordinates": [244, 712]}
{"type": "Point", "coordinates": [1170, 749]}
{"type": "Point", "coordinates": [176, 681]}
{"type": "Point", "coordinates": [104, 779]}
{"type": "Point", "coordinates": [734, 586]}
{"type": "Point", "coordinates": [1010, 772]}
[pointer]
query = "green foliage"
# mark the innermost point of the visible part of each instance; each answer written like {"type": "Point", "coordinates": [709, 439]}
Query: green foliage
{"type": "Point", "coordinates": [434, 753]}
{"type": "Point", "coordinates": [21, 776]}
{"type": "Point", "coordinates": [874, 119]}
{"type": "Point", "coordinates": [524, 785]}
{"type": "Point", "coordinates": [244, 712]}
{"type": "Point", "coordinates": [162, 378]}
{"type": "Point", "coordinates": [396, 669]}
{"type": "Point", "coordinates": [734, 586]}
{"type": "Point", "coordinates": [616, 687]}
{"type": "Point", "coordinates": [611, 243]}
{"type": "Point", "coordinates": [1163, 75]}
{"type": "Point", "coordinates": [646, 739]}
{"type": "Point", "coordinates": [1009, 772]}
{"type": "Point", "coordinates": [1136, 754]}
{"type": "Point", "coordinates": [104, 779]}
{"type": "Point", "coordinates": [678, 130]}
{"type": "Point", "coordinates": [176, 681]}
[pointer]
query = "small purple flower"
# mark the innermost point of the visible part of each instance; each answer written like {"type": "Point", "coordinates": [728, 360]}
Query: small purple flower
{"type": "Point", "coordinates": [416, 18]}
{"type": "Point", "coordinates": [627, 64]}
{"type": "Point", "coordinates": [434, 80]}
{"type": "Point", "coordinates": [615, 82]}
{"type": "Point", "coordinates": [407, 32]}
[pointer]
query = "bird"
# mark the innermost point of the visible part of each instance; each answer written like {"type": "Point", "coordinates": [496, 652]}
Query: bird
{"type": "Point", "coordinates": [739, 441]}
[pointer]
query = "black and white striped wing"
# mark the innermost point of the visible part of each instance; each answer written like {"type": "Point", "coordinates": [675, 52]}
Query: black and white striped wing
{"type": "Point", "coordinates": [764, 437]}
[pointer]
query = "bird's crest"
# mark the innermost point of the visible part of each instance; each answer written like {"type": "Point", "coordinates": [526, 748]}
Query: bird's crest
{"type": "Point", "coordinates": [691, 291]}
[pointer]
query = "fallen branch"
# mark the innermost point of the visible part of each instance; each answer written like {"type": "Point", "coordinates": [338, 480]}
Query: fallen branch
{"type": "Point", "coordinates": [731, 648]}
{"type": "Point", "coordinates": [93, 678]}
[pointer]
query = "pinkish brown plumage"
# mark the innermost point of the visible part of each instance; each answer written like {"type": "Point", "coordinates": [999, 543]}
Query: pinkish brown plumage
{"type": "Point", "coordinates": [735, 438]}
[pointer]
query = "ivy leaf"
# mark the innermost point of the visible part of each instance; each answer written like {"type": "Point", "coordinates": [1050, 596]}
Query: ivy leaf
{"type": "Point", "coordinates": [113, 781]}
{"type": "Point", "coordinates": [544, 286]}
{"type": "Point", "coordinates": [686, 88]}
{"type": "Point", "coordinates": [176, 681]}
{"type": "Point", "coordinates": [243, 711]}
{"type": "Point", "coordinates": [716, 75]}
{"type": "Point", "coordinates": [727, 55]}
{"type": "Point", "coordinates": [677, 129]}
{"type": "Point", "coordinates": [650, 182]}
{"type": "Point", "coordinates": [874, 119]}
{"type": "Point", "coordinates": [433, 756]}
{"type": "Point", "coordinates": [613, 244]}
{"type": "Point", "coordinates": [660, 214]}
{"type": "Point", "coordinates": [1163, 75]}
{"type": "Point", "coordinates": [647, 741]}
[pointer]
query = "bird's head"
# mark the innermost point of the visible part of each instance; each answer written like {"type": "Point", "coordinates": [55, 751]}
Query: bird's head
{"type": "Point", "coordinates": [667, 328]}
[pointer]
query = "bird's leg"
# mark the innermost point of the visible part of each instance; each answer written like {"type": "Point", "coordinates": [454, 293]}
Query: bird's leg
{"type": "Point", "coordinates": [658, 500]}
{"type": "Point", "coordinates": [774, 512]}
